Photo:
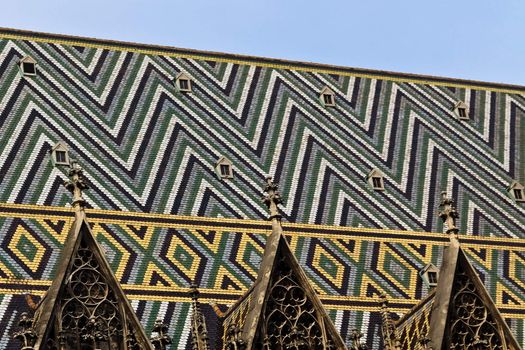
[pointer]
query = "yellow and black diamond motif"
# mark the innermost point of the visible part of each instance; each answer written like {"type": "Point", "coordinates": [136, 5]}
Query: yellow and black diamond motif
{"type": "Point", "coordinates": [396, 267]}
{"type": "Point", "coordinates": [27, 248]}
{"type": "Point", "coordinates": [328, 265]}
{"type": "Point", "coordinates": [249, 254]}
{"type": "Point", "coordinates": [183, 257]}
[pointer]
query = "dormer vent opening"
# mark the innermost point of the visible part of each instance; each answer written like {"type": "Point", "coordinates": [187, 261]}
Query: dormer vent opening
{"type": "Point", "coordinates": [60, 154]}
{"type": "Point", "coordinates": [430, 275]}
{"type": "Point", "coordinates": [224, 168]}
{"type": "Point", "coordinates": [327, 97]}
{"type": "Point", "coordinates": [28, 66]}
{"type": "Point", "coordinates": [516, 191]}
{"type": "Point", "coordinates": [376, 180]}
{"type": "Point", "coordinates": [461, 110]}
{"type": "Point", "coordinates": [183, 82]}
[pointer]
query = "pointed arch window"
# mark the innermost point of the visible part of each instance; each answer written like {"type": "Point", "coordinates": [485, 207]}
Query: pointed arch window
{"type": "Point", "coordinates": [183, 82]}
{"type": "Point", "coordinates": [28, 66]}
{"type": "Point", "coordinates": [461, 110]}
{"type": "Point", "coordinates": [224, 168]}
{"type": "Point", "coordinates": [60, 154]}
{"type": "Point", "coordinates": [327, 97]}
{"type": "Point", "coordinates": [375, 179]}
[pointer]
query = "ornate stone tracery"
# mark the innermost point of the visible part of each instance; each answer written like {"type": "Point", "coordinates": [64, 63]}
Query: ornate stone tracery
{"type": "Point", "coordinates": [291, 320]}
{"type": "Point", "coordinates": [90, 312]}
{"type": "Point", "coordinates": [472, 325]}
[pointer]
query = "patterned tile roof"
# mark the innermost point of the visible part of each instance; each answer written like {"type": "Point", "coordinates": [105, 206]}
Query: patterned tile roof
{"type": "Point", "coordinates": [155, 258]}
{"type": "Point", "coordinates": [415, 324]}
{"type": "Point", "coordinates": [150, 154]}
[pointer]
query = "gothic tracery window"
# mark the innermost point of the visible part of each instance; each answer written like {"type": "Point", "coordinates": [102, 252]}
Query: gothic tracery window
{"type": "Point", "coordinates": [291, 321]}
{"type": "Point", "coordinates": [471, 326]}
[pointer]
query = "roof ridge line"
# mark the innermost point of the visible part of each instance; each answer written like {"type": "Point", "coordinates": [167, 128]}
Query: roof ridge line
{"type": "Point", "coordinates": [251, 59]}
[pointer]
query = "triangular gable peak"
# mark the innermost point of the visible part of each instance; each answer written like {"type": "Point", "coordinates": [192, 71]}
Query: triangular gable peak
{"type": "Point", "coordinates": [327, 90]}
{"type": "Point", "coordinates": [182, 75]}
{"type": "Point", "coordinates": [28, 59]}
{"type": "Point", "coordinates": [262, 319]}
{"type": "Point", "coordinates": [223, 160]}
{"type": "Point", "coordinates": [464, 316]}
{"type": "Point", "coordinates": [463, 312]}
{"type": "Point", "coordinates": [374, 172]}
{"type": "Point", "coordinates": [85, 307]}
{"type": "Point", "coordinates": [60, 146]}
{"type": "Point", "coordinates": [515, 185]}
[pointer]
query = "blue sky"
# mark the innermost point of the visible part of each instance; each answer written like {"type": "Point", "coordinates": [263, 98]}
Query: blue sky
{"type": "Point", "coordinates": [481, 40]}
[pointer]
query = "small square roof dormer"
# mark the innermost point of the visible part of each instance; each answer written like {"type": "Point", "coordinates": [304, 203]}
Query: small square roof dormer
{"type": "Point", "coordinates": [375, 180]}
{"type": "Point", "coordinates": [516, 191]}
{"type": "Point", "coordinates": [461, 110]}
{"type": "Point", "coordinates": [224, 168]}
{"type": "Point", "coordinates": [28, 66]}
{"type": "Point", "coordinates": [430, 275]}
{"type": "Point", "coordinates": [60, 154]}
{"type": "Point", "coordinates": [327, 97]}
{"type": "Point", "coordinates": [183, 82]}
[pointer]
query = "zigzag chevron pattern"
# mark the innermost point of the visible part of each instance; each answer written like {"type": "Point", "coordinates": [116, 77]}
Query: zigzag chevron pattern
{"type": "Point", "coordinates": [148, 148]}
{"type": "Point", "coordinates": [156, 257]}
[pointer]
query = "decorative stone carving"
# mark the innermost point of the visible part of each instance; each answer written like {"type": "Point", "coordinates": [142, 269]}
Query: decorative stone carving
{"type": "Point", "coordinates": [161, 338]}
{"type": "Point", "coordinates": [471, 324]}
{"type": "Point", "coordinates": [26, 335]}
{"type": "Point", "coordinates": [355, 341]}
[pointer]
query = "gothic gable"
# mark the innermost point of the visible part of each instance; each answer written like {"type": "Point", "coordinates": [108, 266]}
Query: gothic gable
{"type": "Point", "coordinates": [292, 316]}
{"type": "Point", "coordinates": [473, 319]}
{"type": "Point", "coordinates": [282, 310]}
{"type": "Point", "coordinates": [85, 306]}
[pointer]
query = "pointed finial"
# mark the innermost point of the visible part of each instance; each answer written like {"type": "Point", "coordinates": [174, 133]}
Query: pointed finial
{"type": "Point", "coordinates": [160, 339]}
{"type": "Point", "coordinates": [199, 332]}
{"type": "Point", "coordinates": [355, 340]}
{"type": "Point", "coordinates": [390, 340]}
{"type": "Point", "coordinates": [234, 338]}
{"type": "Point", "coordinates": [425, 343]}
{"type": "Point", "coordinates": [449, 215]}
{"type": "Point", "coordinates": [26, 334]}
{"type": "Point", "coordinates": [272, 199]}
{"type": "Point", "coordinates": [76, 184]}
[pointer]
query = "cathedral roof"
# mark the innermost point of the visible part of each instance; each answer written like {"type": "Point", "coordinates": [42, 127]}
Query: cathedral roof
{"type": "Point", "coordinates": [275, 62]}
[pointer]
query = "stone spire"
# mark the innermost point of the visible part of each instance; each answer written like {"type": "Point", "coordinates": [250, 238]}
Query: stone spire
{"type": "Point", "coordinates": [199, 333]}
{"type": "Point", "coordinates": [76, 184]}
{"type": "Point", "coordinates": [390, 339]}
{"type": "Point", "coordinates": [460, 298]}
{"type": "Point", "coordinates": [449, 215]}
